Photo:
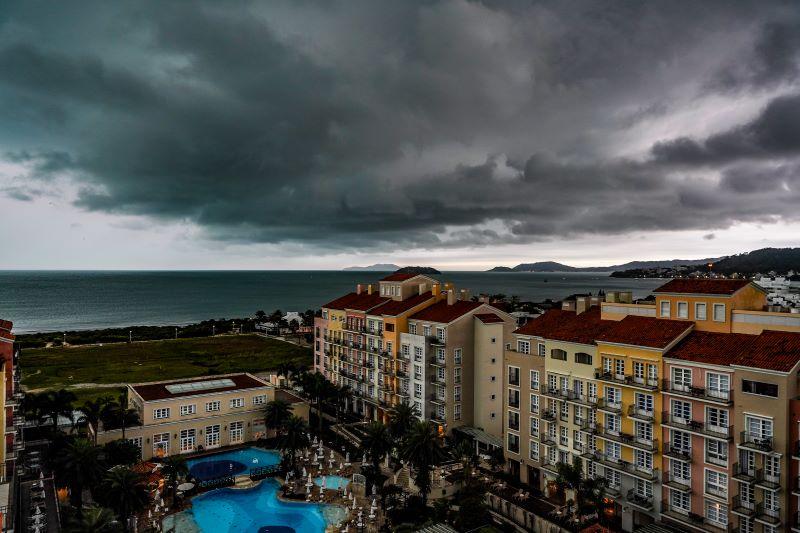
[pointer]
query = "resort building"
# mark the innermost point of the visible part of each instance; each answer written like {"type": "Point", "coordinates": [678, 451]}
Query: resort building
{"type": "Point", "coordinates": [416, 341]}
{"type": "Point", "coordinates": [190, 415]}
{"type": "Point", "coordinates": [686, 405]}
{"type": "Point", "coordinates": [8, 390]}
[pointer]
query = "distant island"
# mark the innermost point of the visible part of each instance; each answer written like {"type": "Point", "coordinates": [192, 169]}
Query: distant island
{"type": "Point", "coordinates": [377, 267]}
{"type": "Point", "coordinates": [762, 261]}
{"type": "Point", "coordinates": [417, 270]}
{"type": "Point", "coordinates": [552, 266]}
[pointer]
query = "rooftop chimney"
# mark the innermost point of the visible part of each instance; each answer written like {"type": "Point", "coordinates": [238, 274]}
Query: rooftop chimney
{"type": "Point", "coordinates": [451, 297]}
{"type": "Point", "coordinates": [369, 288]}
{"type": "Point", "coordinates": [359, 288]}
{"type": "Point", "coordinates": [422, 288]}
{"type": "Point", "coordinates": [582, 304]}
{"type": "Point", "coordinates": [435, 289]}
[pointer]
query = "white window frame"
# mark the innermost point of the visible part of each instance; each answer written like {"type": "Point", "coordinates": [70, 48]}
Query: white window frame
{"type": "Point", "coordinates": [213, 406]}
{"type": "Point", "coordinates": [236, 403]}
{"type": "Point", "coordinates": [697, 314]}
{"type": "Point", "coordinates": [724, 312]}
{"type": "Point", "coordinates": [188, 409]}
{"type": "Point", "coordinates": [161, 413]}
{"type": "Point", "coordinates": [661, 308]}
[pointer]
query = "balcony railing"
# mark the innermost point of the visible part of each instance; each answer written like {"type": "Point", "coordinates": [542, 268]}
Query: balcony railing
{"type": "Point", "coordinates": [631, 381]}
{"type": "Point", "coordinates": [611, 406]}
{"type": "Point", "coordinates": [435, 361]}
{"type": "Point", "coordinates": [650, 474]}
{"type": "Point", "coordinates": [743, 472]}
{"type": "Point", "coordinates": [639, 500]}
{"type": "Point", "coordinates": [700, 393]}
{"type": "Point", "coordinates": [642, 414]}
{"type": "Point", "coordinates": [695, 426]}
{"type": "Point", "coordinates": [576, 397]}
{"type": "Point", "coordinates": [628, 439]}
{"type": "Point", "coordinates": [676, 482]}
{"type": "Point", "coordinates": [773, 516]}
{"type": "Point", "coordinates": [548, 414]}
{"type": "Point", "coordinates": [714, 491]}
{"type": "Point", "coordinates": [680, 454]}
{"type": "Point", "coordinates": [743, 507]}
{"type": "Point", "coordinates": [756, 441]}
{"type": "Point", "coordinates": [433, 339]}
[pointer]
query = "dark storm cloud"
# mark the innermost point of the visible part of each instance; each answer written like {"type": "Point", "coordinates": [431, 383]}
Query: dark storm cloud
{"type": "Point", "coordinates": [358, 124]}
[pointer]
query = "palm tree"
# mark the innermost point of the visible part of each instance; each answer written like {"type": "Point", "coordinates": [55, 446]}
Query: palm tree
{"type": "Point", "coordinates": [57, 404]}
{"type": "Point", "coordinates": [294, 438]}
{"type": "Point", "coordinates": [401, 418]}
{"type": "Point", "coordinates": [570, 477]}
{"type": "Point", "coordinates": [422, 449]}
{"type": "Point", "coordinates": [174, 467]}
{"type": "Point", "coordinates": [286, 370]}
{"type": "Point", "coordinates": [464, 451]}
{"type": "Point", "coordinates": [318, 390]}
{"type": "Point", "coordinates": [276, 413]}
{"type": "Point", "coordinates": [95, 520]}
{"type": "Point", "coordinates": [125, 492]}
{"type": "Point", "coordinates": [341, 397]}
{"type": "Point", "coordinates": [34, 407]}
{"type": "Point", "coordinates": [90, 415]}
{"type": "Point", "coordinates": [116, 414]}
{"type": "Point", "coordinates": [594, 494]}
{"type": "Point", "coordinates": [80, 465]}
{"type": "Point", "coordinates": [377, 443]}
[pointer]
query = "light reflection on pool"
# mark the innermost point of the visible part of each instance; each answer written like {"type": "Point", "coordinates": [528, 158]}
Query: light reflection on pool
{"type": "Point", "coordinates": [332, 482]}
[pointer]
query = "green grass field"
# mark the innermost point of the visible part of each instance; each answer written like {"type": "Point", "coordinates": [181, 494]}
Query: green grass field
{"type": "Point", "coordinates": [154, 361]}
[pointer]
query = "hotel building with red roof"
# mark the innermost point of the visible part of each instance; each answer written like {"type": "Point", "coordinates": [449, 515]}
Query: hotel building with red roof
{"type": "Point", "coordinates": [686, 405]}
{"type": "Point", "coordinates": [413, 340]}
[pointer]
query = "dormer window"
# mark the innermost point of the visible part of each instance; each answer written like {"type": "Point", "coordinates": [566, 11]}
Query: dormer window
{"type": "Point", "coordinates": [664, 309]}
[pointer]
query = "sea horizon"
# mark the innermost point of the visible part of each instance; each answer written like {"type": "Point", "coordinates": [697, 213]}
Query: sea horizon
{"type": "Point", "coordinates": [74, 300]}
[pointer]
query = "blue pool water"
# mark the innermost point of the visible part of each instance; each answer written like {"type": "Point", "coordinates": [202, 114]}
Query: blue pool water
{"type": "Point", "coordinates": [231, 463]}
{"type": "Point", "coordinates": [255, 510]}
{"type": "Point", "coordinates": [333, 482]}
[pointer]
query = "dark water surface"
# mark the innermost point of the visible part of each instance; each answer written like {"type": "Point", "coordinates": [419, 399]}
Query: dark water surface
{"type": "Point", "coordinates": [73, 300]}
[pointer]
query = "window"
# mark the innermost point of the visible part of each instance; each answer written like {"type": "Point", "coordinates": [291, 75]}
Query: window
{"type": "Point", "coordinates": [418, 354]}
{"type": "Point", "coordinates": [644, 403]}
{"type": "Point", "coordinates": [664, 308]}
{"type": "Point", "coordinates": [612, 424]}
{"type": "Point", "coordinates": [534, 426]}
{"type": "Point", "coordinates": [457, 411]}
{"type": "Point", "coordinates": [188, 409]}
{"type": "Point", "coordinates": [681, 472]}
{"type": "Point", "coordinates": [681, 379]}
{"type": "Point", "coordinates": [619, 368]}
{"type": "Point", "coordinates": [212, 436]}
{"type": "Point", "coordinates": [513, 398]}
{"type": "Point", "coordinates": [583, 358]}
{"type": "Point", "coordinates": [524, 347]}
{"type": "Point", "coordinates": [563, 439]}
{"type": "Point", "coordinates": [426, 331]}
{"type": "Point", "coordinates": [457, 394]}
{"type": "Point", "coordinates": [700, 311]}
{"type": "Point", "coordinates": [457, 356]}
{"type": "Point", "coordinates": [534, 404]}
{"type": "Point", "coordinates": [717, 452]}
{"type": "Point", "coordinates": [561, 355]}
{"type": "Point", "coordinates": [441, 334]}
{"type": "Point", "coordinates": [212, 406]}
{"type": "Point", "coordinates": [717, 419]}
{"type": "Point", "coordinates": [236, 432]}
{"type": "Point", "coordinates": [643, 489]}
{"type": "Point", "coordinates": [683, 310]}
{"type": "Point", "coordinates": [417, 390]}
{"type": "Point", "coordinates": [606, 365]}
{"type": "Point", "coordinates": [513, 376]}
{"type": "Point", "coordinates": [757, 427]}
{"type": "Point", "coordinates": [760, 388]}
{"type": "Point", "coordinates": [679, 501]}
{"type": "Point", "coordinates": [719, 312]}
{"type": "Point", "coordinates": [643, 460]}
{"type": "Point", "coordinates": [261, 399]}
{"type": "Point", "coordinates": [534, 380]}
{"type": "Point", "coordinates": [417, 371]}
{"type": "Point", "coordinates": [716, 483]}
{"type": "Point", "coordinates": [718, 385]}
{"type": "Point", "coordinates": [405, 350]}
{"type": "Point", "coordinates": [513, 443]}
{"type": "Point", "coordinates": [389, 326]}
{"type": "Point", "coordinates": [541, 349]}
{"type": "Point", "coordinates": [237, 402]}
{"type": "Point", "coordinates": [717, 513]}
{"type": "Point", "coordinates": [161, 444]}
{"type": "Point", "coordinates": [681, 410]}
{"type": "Point", "coordinates": [457, 375]}
{"type": "Point", "coordinates": [412, 329]}
{"type": "Point", "coordinates": [513, 420]}
{"type": "Point", "coordinates": [187, 438]}
{"type": "Point", "coordinates": [533, 446]}
{"type": "Point", "coordinates": [160, 414]}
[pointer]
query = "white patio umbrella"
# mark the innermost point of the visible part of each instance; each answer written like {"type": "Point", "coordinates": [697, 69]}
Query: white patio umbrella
{"type": "Point", "coordinates": [354, 503]}
{"type": "Point", "coordinates": [347, 459]}
{"type": "Point", "coordinates": [324, 480]}
{"type": "Point", "coordinates": [38, 511]}
{"type": "Point", "coordinates": [331, 455]}
{"type": "Point", "coordinates": [41, 475]}
{"type": "Point", "coordinates": [364, 458]}
{"type": "Point", "coordinates": [305, 473]}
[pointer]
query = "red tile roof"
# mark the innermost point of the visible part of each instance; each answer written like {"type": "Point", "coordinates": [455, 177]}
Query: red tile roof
{"type": "Point", "coordinates": [703, 286]}
{"type": "Point", "coordinates": [443, 313]}
{"type": "Point", "coordinates": [400, 276]}
{"type": "Point", "coordinates": [645, 331]}
{"type": "Point", "coordinates": [396, 307]}
{"type": "Point", "coordinates": [358, 302]}
{"type": "Point", "coordinates": [560, 325]}
{"type": "Point", "coordinates": [488, 318]}
{"type": "Point", "coordinates": [158, 391]}
{"type": "Point", "coordinates": [770, 350]}
{"type": "Point", "coordinates": [6, 324]}
{"type": "Point", "coordinates": [773, 350]}
{"type": "Point", "coordinates": [711, 348]}
{"type": "Point", "coordinates": [6, 335]}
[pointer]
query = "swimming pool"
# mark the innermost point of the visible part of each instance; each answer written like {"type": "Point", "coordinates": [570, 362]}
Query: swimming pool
{"type": "Point", "coordinates": [231, 463]}
{"type": "Point", "coordinates": [333, 482]}
{"type": "Point", "coordinates": [256, 510]}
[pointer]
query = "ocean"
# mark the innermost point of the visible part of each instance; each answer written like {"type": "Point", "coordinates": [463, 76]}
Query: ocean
{"type": "Point", "coordinates": [79, 300]}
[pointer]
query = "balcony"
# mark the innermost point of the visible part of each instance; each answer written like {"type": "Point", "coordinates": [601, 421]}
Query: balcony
{"type": "Point", "coordinates": [768, 481]}
{"type": "Point", "coordinates": [564, 417]}
{"type": "Point", "coordinates": [547, 414]}
{"type": "Point", "coordinates": [435, 361]}
{"type": "Point", "coordinates": [438, 418]}
{"type": "Point", "coordinates": [554, 392]}
{"type": "Point", "coordinates": [767, 515]}
{"type": "Point", "coordinates": [644, 503]}
{"type": "Point", "coordinates": [679, 454]}
{"type": "Point", "coordinates": [625, 467]}
{"type": "Point", "coordinates": [435, 378]}
{"type": "Point", "coordinates": [590, 427]}
{"type": "Point", "coordinates": [743, 507]}
{"type": "Point", "coordinates": [745, 473]}
{"type": "Point", "coordinates": [433, 339]}
{"type": "Point", "coordinates": [547, 439]}
{"type": "Point", "coordinates": [795, 522]}
{"type": "Point", "coordinates": [756, 442]}
{"type": "Point", "coordinates": [650, 384]}
{"type": "Point", "coordinates": [696, 427]}
{"type": "Point", "coordinates": [609, 406]}
{"type": "Point", "coordinates": [640, 414]}
{"type": "Point", "coordinates": [716, 492]}
{"type": "Point", "coordinates": [550, 465]}
{"type": "Point", "coordinates": [677, 483]}
{"type": "Point", "coordinates": [627, 439]}
{"type": "Point", "coordinates": [356, 328]}
{"type": "Point", "coordinates": [683, 516]}
{"type": "Point", "coordinates": [582, 399]}
{"type": "Point", "coordinates": [698, 393]}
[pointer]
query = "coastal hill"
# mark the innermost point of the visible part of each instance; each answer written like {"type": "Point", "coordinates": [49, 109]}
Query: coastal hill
{"type": "Point", "coordinates": [417, 270]}
{"type": "Point", "coordinates": [377, 267]}
{"type": "Point", "coordinates": [780, 260]}
{"type": "Point", "coordinates": [552, 266]}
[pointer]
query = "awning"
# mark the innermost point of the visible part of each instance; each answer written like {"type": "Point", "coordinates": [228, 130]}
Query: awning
{"type": "Point", "coordinates": [481, 436]}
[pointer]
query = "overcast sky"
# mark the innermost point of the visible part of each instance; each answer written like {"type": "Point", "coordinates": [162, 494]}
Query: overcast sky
{"type": "Point", "coordinates": [463, 135]}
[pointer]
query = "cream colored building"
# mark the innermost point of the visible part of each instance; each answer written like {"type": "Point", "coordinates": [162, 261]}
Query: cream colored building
{"type": "Point", "coordinates": [190, 415]}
